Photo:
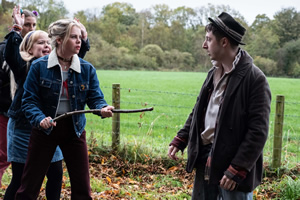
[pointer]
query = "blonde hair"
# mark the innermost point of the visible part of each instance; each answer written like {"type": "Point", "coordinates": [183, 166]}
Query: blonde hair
{"type": "Point", "coordinates": [61, 29]}
{"type": "Point", "coordinates": [27, 43]}
{"type": "Point", "coordinates": [25, 46]}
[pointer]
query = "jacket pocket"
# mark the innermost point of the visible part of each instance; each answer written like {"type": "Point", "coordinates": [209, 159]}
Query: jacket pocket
{"type": "Point", "coordinates": [45, 89]}
{"type": "Point", "coordinates": [83, 91]}
{"type": "Point", "coordinates": [45, 83]}
{"type": "Point", "coordinates": [224, 154]}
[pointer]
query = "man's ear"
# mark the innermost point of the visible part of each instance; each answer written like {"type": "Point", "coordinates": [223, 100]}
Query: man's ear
{"type": "Point", "coordinates": [224, 41]}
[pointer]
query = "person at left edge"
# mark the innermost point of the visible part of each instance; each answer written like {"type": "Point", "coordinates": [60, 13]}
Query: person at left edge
{"type": "Point", "coordinates": [19, 128]}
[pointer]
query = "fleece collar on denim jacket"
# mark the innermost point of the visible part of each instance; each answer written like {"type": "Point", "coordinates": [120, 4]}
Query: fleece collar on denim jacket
{"type": "Point", "coordinates": [53, 61]}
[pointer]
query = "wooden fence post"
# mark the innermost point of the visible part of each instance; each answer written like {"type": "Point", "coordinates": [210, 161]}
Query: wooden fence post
{"type": "Point", "coordinates": [116, 117]}
{"type": "Point", "coordinates": [278, 129]}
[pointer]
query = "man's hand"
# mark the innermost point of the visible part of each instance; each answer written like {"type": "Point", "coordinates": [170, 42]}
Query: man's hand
{"type": "Point", "coordinates": [172, 152]}
{"type": "Point", "coordinates": [227, 184]}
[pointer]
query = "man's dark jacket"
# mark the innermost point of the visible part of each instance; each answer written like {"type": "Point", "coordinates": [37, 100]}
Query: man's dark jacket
{"type": "Point", "coordinates": [241, 128]}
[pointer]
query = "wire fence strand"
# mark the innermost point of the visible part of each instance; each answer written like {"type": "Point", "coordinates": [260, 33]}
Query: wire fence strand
{"type": "Point", "coordinates": [162, 124]}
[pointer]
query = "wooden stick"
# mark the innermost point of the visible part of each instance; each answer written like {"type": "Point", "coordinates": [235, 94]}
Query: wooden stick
{"type": "Point", "coordinates": [99, 110]}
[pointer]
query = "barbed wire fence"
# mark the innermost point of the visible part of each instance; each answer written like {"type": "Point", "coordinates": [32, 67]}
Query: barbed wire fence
{"type": "Point", "coordinates": [155, 130]}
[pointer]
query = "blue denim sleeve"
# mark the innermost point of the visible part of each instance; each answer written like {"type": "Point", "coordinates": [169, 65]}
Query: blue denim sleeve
{"type": "Point", "coordinates": [95, 97]}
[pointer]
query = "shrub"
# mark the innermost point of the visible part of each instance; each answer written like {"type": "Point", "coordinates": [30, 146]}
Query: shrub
{"type": "Point", "coordinates": [290, 188]}
{"type": "Point", "coordinates": [267, 65]}
{"type": "Point", "coordinates": [153, 51]}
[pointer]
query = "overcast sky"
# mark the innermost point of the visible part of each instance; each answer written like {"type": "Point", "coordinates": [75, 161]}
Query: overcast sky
{"type": "Point", "coordinates": [249, 9]}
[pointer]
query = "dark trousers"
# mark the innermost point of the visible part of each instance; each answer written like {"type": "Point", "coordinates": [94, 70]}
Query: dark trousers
{"type": "Point", "coordinates": [53, 185]}
{"type": "Point", "coordinates": [3, 145]}
{"type": "Point", "coordinates": [202, 190]}
{"type": "Point", "coordinates": [40, 152]}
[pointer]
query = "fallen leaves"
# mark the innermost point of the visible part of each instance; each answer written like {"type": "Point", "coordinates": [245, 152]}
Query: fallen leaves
{"type": "Point", "coordinates": [114, 178]}
{"type": "Point", "coordinates": [124, 180]}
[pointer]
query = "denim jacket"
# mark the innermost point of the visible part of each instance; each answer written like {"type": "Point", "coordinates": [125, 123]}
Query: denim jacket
{"type": "Point", "coordinates": [19, 68]}
{"type": "Point", "coordinates": [43, 86]}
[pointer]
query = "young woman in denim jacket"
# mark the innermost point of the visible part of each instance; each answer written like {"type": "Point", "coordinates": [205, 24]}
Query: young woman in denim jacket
{"type": "Point", "coordinates": [19, 55]}
{"type": "Point", "coordinates": [59, 83]}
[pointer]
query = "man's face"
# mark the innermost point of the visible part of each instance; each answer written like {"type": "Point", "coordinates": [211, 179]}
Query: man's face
{"type": "Point", "coordinates": [212, 46]}
{"type": "Point", "coordinates": [29, 25]}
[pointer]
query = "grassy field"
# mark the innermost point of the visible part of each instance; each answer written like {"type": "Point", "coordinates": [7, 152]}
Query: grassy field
{"type": "Point", "coordinates": [173, 94]}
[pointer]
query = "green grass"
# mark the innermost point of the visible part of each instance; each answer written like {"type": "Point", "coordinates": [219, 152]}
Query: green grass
{"type": "Point", "coordinates": [291, 125]}
{"type": "Point", "coordinates": [285, 187]}
{"type": "Point", "coordinates": [173, 95]}
{"type": "Point", "coordinates": [290, 188]}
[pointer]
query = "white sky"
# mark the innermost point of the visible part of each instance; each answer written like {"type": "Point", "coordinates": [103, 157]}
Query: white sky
{"type": "Point", "coordinates": [249, 9]}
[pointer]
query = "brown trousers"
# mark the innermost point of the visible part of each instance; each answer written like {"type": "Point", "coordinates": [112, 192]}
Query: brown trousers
{"type": "Point", "coordinates": [40, 153]}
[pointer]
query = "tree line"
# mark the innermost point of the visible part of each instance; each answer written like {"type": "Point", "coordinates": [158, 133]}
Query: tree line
{"type": "Point", "coordinates": [161, 38]}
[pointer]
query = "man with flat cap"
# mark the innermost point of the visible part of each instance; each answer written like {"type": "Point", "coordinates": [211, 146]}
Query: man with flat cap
{"type": "Point", "coordinates": [226, 131]}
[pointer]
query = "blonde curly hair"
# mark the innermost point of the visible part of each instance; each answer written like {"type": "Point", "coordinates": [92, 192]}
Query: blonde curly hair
{"type": "Point", "coordinates": [61, 29]}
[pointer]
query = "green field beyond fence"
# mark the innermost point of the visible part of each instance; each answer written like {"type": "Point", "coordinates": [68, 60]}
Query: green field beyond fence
{"type": "Point", "coordinates": [173, 95]}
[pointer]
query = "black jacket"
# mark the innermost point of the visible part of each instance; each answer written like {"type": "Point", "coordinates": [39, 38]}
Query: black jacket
{"type": "Point", "coordinates": [241, 128]}
{"type": "Point", "coordinates": [5, 98]}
